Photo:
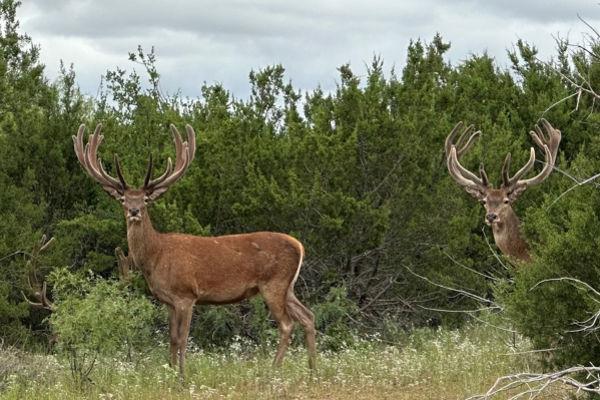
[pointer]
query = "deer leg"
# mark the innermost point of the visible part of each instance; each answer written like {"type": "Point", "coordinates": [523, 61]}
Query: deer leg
{"type": "Point", "coordinates": [173, 335]}
{"type": "Point", "coordinates": [276, 304]}
{"type": "Point", "coordinates": [183, 333]}
{"type": "Point", "coordinates": [306, 318]}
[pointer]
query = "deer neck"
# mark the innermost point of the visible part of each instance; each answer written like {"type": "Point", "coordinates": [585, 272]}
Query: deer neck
{"type": "Point", "coordinates": [508, 237]}
{"type": "Point", "coordinates": [141, 239]}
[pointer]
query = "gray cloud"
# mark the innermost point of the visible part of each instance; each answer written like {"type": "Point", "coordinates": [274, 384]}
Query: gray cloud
{"type": "Point", "coordinates": [199, 41]}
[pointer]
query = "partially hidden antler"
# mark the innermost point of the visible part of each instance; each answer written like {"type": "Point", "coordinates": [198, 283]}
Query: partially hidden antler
{"type": "Point", "coordinates": [91, 163]}
{"type": "Point", "coordinates": [184, 155]}
{"type": "Point", "coordinates": [545, 137]}
{"type": "Point", "coordinates": [548, 140]}
{"type": "Point", "coordinates": [39, 291]}
{"type": "Point", "coordinates": [474, 184]}
{"type": "Point", "coordinates": [125, 264]}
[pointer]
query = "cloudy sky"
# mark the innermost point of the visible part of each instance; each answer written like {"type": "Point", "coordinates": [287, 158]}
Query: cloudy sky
{"type": "Point", "coordinates": [221, 41]}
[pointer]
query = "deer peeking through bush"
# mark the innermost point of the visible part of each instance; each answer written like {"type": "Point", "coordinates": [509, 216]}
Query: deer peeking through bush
{"type": "Point", "coordinates": [183, 270]}
{"type": "Point", "coordinates": [498, 202]}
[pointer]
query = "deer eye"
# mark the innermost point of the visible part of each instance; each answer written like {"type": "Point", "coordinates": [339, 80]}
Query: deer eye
{"type": "Point", "coordinates": [506, 201]}
{"type": "Point", "coordinates": [122, 200]}
{"type": "Point", "coordinates": [146, 199]}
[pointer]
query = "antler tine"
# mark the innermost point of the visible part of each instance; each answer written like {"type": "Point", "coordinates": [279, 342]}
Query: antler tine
{"type": "Point", "coordinates": [88, 158]}
{"type": "Point", "coordinates": [455, 171]}
{"type": "Point", "coordinates": [506, 170]}
{"type": "Point", "coordinates": [78, 144]}
{"type": "Point", "coordinates": [548, 140]}
{"type": "Point", "coordinates": [536, 135]}
{"type": "Point", "coordinates": [123, 264]}
{"type": "Point", "coordinates": [42, 297]}
{"type": "Point", "coordinates": [177, 172]}
{"type": "Point", "coordinates": [39, 294]}
{"type": "Point", "coordinates": [465, 172]}
{"type": "Point", "coordinates": [45, 244]}
{"type": "Point", "coordinates": [148, 176]}
{"type": "Point", "coordinates": [168, 171]}
{"type": "Point", "coordinates": [119, 171]}
{"type": "Point", "coordinates": [184, 153]}
{"type": "Point", "coordinates": [96, 162]}
{"type": "Point", "coordinates": [546, 171]}
{"type": "Point", "coordinates": [525, 169]}
{"type": "Point", "coordinates": [191, 136]}
{"type": "Point", "coordinates": [179, 147]}
{"type": "Point", "coordinates": [462, 144]}
{"type": "Point", "coordinates": [551, 137]}
{"type": "Point", "coordinates": [483, 175]}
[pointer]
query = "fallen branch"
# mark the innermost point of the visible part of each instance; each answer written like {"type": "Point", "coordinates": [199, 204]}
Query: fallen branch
{"type": "Point", "coordinates": [530, 385]}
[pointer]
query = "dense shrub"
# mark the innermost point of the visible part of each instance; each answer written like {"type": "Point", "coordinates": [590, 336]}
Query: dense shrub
{"type": "Point", "coordinates": [96, 318]}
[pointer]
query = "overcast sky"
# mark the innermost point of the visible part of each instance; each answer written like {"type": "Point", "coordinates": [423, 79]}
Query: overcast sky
{"type": "Point", "coordinates": [221, 41]}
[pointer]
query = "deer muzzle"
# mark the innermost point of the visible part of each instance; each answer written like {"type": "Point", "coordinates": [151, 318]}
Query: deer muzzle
{"type": "Point", "coordinates": [490, 218]}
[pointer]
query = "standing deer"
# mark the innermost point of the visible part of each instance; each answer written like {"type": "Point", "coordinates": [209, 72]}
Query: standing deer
{"type": "Point", "coordinates": [183, 270]}
{"type": "Point", "coordinates": [498, 202]}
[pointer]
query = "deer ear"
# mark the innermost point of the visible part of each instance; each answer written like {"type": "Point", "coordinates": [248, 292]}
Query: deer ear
{"type": "Point", "coordinates": [117, 194]}
{"type": "Point", "coordinates": [155, 194]}
{"type": "Point", "coordinates": [478, 194]}
{"type": "Point", "coordinates": [515, 192]}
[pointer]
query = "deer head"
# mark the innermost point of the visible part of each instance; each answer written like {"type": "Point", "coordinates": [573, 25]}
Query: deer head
{"type": "Point", "coordinates": [134, 201]}
{"type": "Point", "coordinates": [498, 202]}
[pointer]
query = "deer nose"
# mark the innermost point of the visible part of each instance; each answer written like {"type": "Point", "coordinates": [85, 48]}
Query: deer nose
{"type": "Point", "coordinates": [134, 211]}
{"type": "Point", "coordinates": [491, 217]}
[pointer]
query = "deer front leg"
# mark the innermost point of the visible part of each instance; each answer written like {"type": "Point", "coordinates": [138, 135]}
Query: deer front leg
{"type": "Point", "coordinates": [185, 320]}
{"type": "Point", "coordinates": [173, 335]}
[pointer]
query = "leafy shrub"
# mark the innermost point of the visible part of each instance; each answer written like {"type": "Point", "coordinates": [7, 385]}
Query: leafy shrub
{"type": "Point", "coordinates": [95, 318]}
{"type": "Point", "coordinates": [333, 317]}
{"type": "Point", "coordinates": [219, 326]}
{"type": "Point", "coordinates": [550, 311]}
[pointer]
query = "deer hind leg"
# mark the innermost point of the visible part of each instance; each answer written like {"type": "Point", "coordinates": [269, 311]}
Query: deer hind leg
{"type": "Point", "coordinates": [306, 318]}
{"type": "Point", "coordinates": [276, 303]}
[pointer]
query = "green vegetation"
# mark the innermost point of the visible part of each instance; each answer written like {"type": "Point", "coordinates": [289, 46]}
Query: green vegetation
{"type": "Point", "coordinates": [426, 364]}
{"type": "Point", "coordinates": [358, 175]}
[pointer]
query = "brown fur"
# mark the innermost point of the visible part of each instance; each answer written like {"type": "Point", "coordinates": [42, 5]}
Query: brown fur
{"type": "Point", "coordinates": [506, 228]}
{"type": "Point", "coordinates": [183, 270]}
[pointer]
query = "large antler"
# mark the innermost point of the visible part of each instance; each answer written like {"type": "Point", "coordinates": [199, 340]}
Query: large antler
{"type": "Point", "coordinates": [91, 163]}
{"type": "Point", "coordinates": [548, 142]}
{"type": "Point", "coordinates": [551, 137]}
{"type": "Point", "coordinates": [39, 291]}
{"type": "Point", "coordinates": [472, 183]}
{"type": "Point", "coordinates": [184, 155]}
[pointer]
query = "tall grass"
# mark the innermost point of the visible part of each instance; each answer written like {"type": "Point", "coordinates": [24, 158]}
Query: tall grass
{"type": "Point", "coordinates": [426, 364]}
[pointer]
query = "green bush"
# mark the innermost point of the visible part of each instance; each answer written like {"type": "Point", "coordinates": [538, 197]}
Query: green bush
{"type": "Point", "coordinates": [550, 311]}
{"type": "Point", "coordinates": [333, 317]}
{"type": "Point", "coordinates": [95, 318]}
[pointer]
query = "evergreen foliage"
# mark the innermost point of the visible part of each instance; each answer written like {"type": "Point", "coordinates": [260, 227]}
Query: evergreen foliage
{"type": "Point", "coordinates": [357, 174]}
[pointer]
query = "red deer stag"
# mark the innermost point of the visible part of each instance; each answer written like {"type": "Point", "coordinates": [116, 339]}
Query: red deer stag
{"type": "Point", "coordinates": [183, 270]}
{"type": "Point", "coordinates": [498, 202]}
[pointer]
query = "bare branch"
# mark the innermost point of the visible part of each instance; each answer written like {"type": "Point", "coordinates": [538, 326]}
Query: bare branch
{"type": "Point", "coordinates": [573, 281]}
{"type": "Point", "coordinates": [531, 385]}
{"type": "Point", "coordinates": [468, 294]}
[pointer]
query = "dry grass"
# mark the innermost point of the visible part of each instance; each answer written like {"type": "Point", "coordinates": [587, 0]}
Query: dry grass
{"type": "Point", "coordinates": [425, 365]}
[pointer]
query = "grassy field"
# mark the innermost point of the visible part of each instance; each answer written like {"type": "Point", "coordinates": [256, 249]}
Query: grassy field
{"type": "Point", "coordinates": [426, 364]}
